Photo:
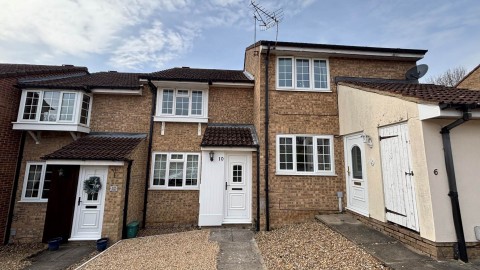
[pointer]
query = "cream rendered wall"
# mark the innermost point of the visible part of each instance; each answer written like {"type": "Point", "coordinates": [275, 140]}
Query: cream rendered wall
{"type": "Point", "coordinates": [466, 155]}
{"type": "Point", "coordinates": [362, 111]}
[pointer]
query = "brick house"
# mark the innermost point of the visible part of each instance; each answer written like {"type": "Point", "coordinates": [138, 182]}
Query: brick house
{"type": "Point", "coordinates": [11, 140]}
{"type": "Point", "coordinates": [471, 80]}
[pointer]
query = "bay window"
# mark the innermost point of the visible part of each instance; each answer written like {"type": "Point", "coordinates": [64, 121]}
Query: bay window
{"type": "Point", "coordinates": [304, 74]}
{"type": "Point", "coordinates": [305, 154]}
{"type": "Point", "coordinates": [175, 171]}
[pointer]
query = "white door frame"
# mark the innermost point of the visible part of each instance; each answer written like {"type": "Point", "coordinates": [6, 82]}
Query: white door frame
{"type": "Point", "coordinates": [248, 188]}
{"type": "Point", "coordinates": [81, 177]}
{"type": "Point", "coordinates": [348, 184]}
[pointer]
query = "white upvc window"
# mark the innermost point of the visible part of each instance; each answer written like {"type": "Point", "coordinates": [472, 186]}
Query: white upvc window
{"type": "Point", "coordinates": [175, 171]}
{"type": "Point", "coordinates": [305, 155]}
{"type": "Point", "coordinates": [182, 105]}
{"type": "Point", "coordinates": [36, 184]}
{"type": "Point", "coordinates": [302, 74]}
{"type": "Point", "coordinates": [54, 107]}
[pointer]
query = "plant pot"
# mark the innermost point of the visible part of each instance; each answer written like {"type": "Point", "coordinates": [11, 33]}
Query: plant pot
{"type": "Point", "coordinates": [102, 244]}
{"type": "Point", "coordinates": [54, 243]}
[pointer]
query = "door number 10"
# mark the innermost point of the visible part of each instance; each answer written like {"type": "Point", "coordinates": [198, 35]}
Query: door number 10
{"type": "Point", "coordinates": [220, 158]}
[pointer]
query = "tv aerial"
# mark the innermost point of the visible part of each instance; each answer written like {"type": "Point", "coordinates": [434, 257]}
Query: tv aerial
{"type": "Point", "coordinates": [265, 18]}
{"type": "Point", "coordinates": [416, 72]}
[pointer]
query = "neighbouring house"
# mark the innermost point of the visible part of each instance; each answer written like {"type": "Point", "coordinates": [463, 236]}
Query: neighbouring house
{"type": "Point", "coordinates": [411, 152]}
{"type": "Point", "coordinates": [11, 140]}
{"type": "Point", "coordinates": [266, 146]}
{"type": "Point", "coordinates": [471, 80]}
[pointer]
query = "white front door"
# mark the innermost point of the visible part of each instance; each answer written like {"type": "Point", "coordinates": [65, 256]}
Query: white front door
{"type": "Point", "coordinates": [398, 177]}
{"type": "Point", "coordinates": [357, 185]}
{"type": "Point", "coordinates": [238, 195]}
{"type": "Point", "coordinates": [88, 217]}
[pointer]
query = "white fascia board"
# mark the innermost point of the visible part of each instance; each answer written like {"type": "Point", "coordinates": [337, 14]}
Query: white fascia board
{"type": "Point", "coordinates": [347, 52]}
{"type": "Point", "coordinates": [180, 85]}
{"type": "Point", "coordinates": [84, 162]}
{"type": "Point", "coordinates": [136, 92]}
{"type": "Point", "coordinates": [180, 119]}
{"type": "Point", "coordinates": [429, 111]}
{"type": "Point", "coordinates": [50, 127]}
{"type": "Point", "coordinates": [233, 85]}
{"type": "Point", "coordinates": [226, 149]}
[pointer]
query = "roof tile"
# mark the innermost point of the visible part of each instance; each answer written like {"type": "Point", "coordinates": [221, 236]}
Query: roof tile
{"type": "Point", "coordinates": [229, 135]}
{"type": "Point", "coordinates": [199, 75]}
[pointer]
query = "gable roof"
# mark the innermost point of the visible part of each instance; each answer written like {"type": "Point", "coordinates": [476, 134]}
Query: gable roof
{"type": "Point", "coordinates": [105, 80]}
{"type": "Point", "coordinates": [17, 70]}
{"type": "Point", "coordinates": [199, 75]}
{"type": "Point", "coordinates": [468, 75]}
{"type": "Point", "coordinates": [421, 93]}
{"type": "Point", "coordinates": [99, 146]}
{"type": "Point", "coordinates": [336, 47]}
{"type": "Point", "coordinates": [230, 135]}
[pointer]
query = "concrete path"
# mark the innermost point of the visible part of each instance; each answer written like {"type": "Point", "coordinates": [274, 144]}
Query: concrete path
{"type": "Point", "coordinates": [62, 258]}
{"type": "Point", "coordinates": [238, 249]}
{"type": "Point", "coordinates": [387, 249]}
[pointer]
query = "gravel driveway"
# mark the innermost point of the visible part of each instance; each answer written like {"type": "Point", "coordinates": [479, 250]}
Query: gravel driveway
{"type": "Point", "coordinates": [186, 250]}
{"type": "Point", "coordinates": [312, 246]}
{"type": "Point", "coordinates": [15, 256]}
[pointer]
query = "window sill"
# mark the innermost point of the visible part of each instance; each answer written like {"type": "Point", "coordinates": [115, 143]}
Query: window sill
{"type": "Point", "coordinates": [54, 126]}
{"type": "Point", "coordinates": [173, 189]}
{"type": "Point", "coordinates": [33, 201]}
{"type": "Point", "coordinates": [180, 119]}
{"type": "Point", "coordinates": [305, 174]}
{"type": "Point", "coordinates": [304, 90]}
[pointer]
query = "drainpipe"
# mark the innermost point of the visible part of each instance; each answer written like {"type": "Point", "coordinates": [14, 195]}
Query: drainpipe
{"type": "Point", "coordinates": [452, 183]}
{"type": "Point", "coordinates": [153, 88]}
{"type": "Point", "coordinates": [125, 205]}
{"type": "Point", "coordinates": [267, 204]}
{"type": "Point", "coordinates": [257, 227]}
{"type": "Point", "coordinates": [14, 188]}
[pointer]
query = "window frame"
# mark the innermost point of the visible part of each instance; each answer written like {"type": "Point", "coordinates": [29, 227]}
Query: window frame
{"type": "Point", "coordinates": [40, 187]}
{"type": "Point", "coordinates": [294, 171]}
{"type": "Point", "coordinates": [167, 170]}
{"type": "Point", "coordinates": [77, 106]}
{"type": "Point", "coordinates": [172, 117]}
{"type": "Point", "coordinates": [294, 87]}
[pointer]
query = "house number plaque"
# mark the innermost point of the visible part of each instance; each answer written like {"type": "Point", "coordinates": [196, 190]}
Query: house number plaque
{"type": "Point", "coordinates": [113, 188]}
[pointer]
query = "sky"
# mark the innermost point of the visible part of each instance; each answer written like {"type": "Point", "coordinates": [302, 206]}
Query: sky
{"type": "Point", "coordinates": [151, 35]}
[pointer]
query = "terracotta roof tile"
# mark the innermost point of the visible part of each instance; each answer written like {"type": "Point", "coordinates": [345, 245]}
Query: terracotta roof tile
{"type": "Point", "coordinates": [230, 135]}
{"type": "Point", "coordinates": [15, 70]}
{"type": "Point", "coordinates": [430, 93]}
{"type": "Point", "coordinates": [199, 75]}
{"type": "Point", "coordinates": [101, 146]}
{"type": "Point", "coordinates": [116, 80]}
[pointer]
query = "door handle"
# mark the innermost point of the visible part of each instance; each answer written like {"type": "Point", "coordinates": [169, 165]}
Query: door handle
{"type": "Point", "coordinates": [226, 185]}
{"type": "Point", "coordinates": [348, 170]}
{"type": "Point", "coordinates": [79, 201]}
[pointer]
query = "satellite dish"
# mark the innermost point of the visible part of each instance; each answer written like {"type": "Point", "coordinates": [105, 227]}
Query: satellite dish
{"type": "Point", "coordinates": [416, 72]}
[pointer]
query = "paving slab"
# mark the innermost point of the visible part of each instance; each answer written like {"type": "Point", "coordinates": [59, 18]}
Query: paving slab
{"type": "Point", "coordinates": [387, 249]}
{"type": "Point", "coordinates": [238, 249]}
{"type": "Point", "coordinates": [65, 256]}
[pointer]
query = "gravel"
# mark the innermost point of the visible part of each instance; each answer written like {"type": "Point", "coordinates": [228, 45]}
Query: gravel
{"type": "Point", "coordinates": [186, 250]}
{"type": "Point", "coordinates": [15, 256]}
{"type": "Point", "coordinates": [165, 230]}
{"type": "Point", "coordinates": [312, 245]}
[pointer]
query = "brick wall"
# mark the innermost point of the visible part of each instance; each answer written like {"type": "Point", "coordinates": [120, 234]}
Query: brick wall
{"type": "Point", "coordinates": [114, 202]}
{"type": "Point", "coordinates": [230, 105]}
{"type": "Point", "coordinates": [29, 217]}
{"type": "Point", "coordinates": [298, 198]}
{"type": "Point", "coordinates": [137, 183]}
{"type": "Point", "coordinates": [472, 81]}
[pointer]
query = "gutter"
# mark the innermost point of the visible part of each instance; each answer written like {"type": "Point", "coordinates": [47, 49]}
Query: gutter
{"type": "Point", "coordinates": [153, 88]}
{"type": "Point", "coordinates": [14, 189]}
{"type": "Point", "coordinates": [460, 250]}
{"type": "Point", "coordinates": [125, 206]}
{"type": "Point", "coordinates": [257, 227]}
{"type": "Point", "coordinates": [267, 203]}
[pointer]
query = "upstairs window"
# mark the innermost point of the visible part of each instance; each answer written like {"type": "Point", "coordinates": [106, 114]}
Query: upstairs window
{"type": "Point", "coordinates": [183, 105]}
{"type": "Point", "coordinates": [302, 74]}
{"type": "Point", "coordinates": [47, 106]}
{"type": "Point", "coordinates": [175, 171]}
{"type": "Point", "coordinates": [305, 154]}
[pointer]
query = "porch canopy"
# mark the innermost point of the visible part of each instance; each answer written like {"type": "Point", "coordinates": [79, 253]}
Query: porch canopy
{"type": "Point", "coordinates": [230, 135]}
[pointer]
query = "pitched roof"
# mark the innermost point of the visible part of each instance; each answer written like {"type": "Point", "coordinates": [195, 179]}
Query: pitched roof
{"type": "Point", "coordinates": [336, 47]}
{"type": "Point", "coordinates": [99, 146]}
{"type": "Point", "coordinates": [468, 75]}
{"type": "Point", "coordinates": [230, 135]}
{"type": "Point", "coordinates": [426, 93]}
{"type": "Point", "coordinates": [199, 75]}
{"type": "Point", "coordinates": [16, 70]}
{"type": "Point", "coordinates": [106, 80]}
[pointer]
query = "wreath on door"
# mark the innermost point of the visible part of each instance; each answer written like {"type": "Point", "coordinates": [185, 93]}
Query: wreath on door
{"type": "Point", "coordinates": [92, 185]}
